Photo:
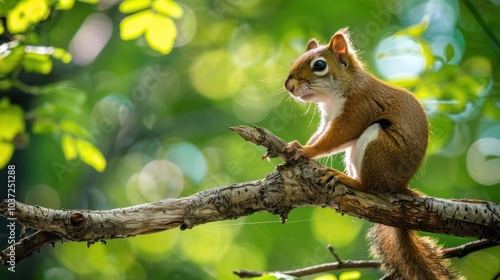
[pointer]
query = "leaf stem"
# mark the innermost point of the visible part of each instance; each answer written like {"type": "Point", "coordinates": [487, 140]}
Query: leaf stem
{"type": "Point", "coordinates": [26, 88]}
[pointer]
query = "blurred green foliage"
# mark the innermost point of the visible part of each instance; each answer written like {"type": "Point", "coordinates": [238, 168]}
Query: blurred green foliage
{"type": "Point", "coordinates": [89, 82]}
{"type": "Point", "coordinates": [12, 122]}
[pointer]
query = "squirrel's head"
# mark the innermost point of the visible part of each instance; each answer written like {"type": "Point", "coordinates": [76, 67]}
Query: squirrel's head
{"type": "Point", "coordinates": [323, 68]}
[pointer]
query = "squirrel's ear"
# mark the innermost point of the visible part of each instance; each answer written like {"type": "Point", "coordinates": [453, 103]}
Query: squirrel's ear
{"type": "Point", "coordinates": [338, 44]}
{"type": "Point", "coordinates": [312, 44]}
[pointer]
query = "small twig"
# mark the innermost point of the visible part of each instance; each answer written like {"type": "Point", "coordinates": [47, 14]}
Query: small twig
{"type": "Point", "coordinates": [322, 268]}
{"type": "Point", "coordinates": [39, 50]}
{"type": "Point", "coordinates": [330, 248]}
{"type": "Point", "coordinates": [467, 248]}
{"type": "Point", "coordinates": [7, 46]}
{"type": "Point", "coordinates": [26, 88]}
{"type": "Point", "coordinates": [459, 252]}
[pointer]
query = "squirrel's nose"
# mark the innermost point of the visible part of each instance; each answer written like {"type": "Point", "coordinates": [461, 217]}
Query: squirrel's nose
{"type": "Point", "coordinates": [290, 84]}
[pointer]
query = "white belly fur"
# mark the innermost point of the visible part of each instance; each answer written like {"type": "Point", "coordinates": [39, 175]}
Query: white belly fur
{"type": "Point", "coordinates": [354, 155]}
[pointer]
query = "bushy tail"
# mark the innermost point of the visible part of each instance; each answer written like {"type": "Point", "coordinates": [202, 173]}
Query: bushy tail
{"type": "Point", "coordinates": [407, 256]}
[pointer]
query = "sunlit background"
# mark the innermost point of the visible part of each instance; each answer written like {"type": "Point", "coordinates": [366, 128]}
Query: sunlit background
{"type": "Point", "coordinates": [161, 122]}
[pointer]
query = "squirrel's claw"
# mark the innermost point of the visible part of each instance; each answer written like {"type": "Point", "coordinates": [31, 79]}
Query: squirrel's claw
{"type": "Point", "coordinates": [329, 177]}
{"type": "Point", "coordinates": [294, 150]}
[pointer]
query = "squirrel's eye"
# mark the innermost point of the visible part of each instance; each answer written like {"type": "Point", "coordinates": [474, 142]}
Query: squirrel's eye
{"type": "Point", "coordinates": [319, 66]}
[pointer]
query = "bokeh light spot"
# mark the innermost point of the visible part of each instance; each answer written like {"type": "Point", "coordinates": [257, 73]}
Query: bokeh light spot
{"type": "Point", "coordinates": [159, 179]}
{"type": "Point", "coordinates": [251, 105]}
{"type": "Point", "coordinates": [113, 108]}
{"type": "Point", "coordinates": [247, 48]}
{"type": "Point", "coordinates": [186, 27]}
{"type": "Point", "coordinates": [207, 245]}
{"type": "Point", "coordinates": [399, 57]}
{"type": "Point", "coordinates": [189, 159]}
{"type": "Point", "coordinates": [155, 245]}
{"type": "Point", "coordinates": [329, 232]}
{"type": "Point", "coordinates": [215, 76]}
{"type": "Point", "coordinates": [483, 161]}
{"type": "Point", "coordinates": [90, 39]}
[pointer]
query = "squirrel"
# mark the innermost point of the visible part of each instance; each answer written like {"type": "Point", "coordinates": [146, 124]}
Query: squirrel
{"type": "Point", "coordinates": [383, 130]}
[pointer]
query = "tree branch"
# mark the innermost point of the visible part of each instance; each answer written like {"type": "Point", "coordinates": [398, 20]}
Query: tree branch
{"type": "Point", "coordinates": [292, 184]}
{"type": "Point", "coordinates": [315, 269]}
{"type": "Point", "coordinates": [465, 249]}
{"type": "Point", "coordinates": [460, 251]}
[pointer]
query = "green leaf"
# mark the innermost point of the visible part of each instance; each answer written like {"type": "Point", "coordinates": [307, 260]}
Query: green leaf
{"type": "Point", "coordinates": [74, 128]}
{"type": "Point", "coordinates": [161, 34]}
{"type": "Point", "coordinates": [2, 28]}
{"type": "Point", "coordinates": [65, 4]}
{"type": "Point", "coordinates": [11, 120]}
{"type": "Point", "coordinates": [71, 95]}
{"type": "Point", "coordinates": [5, 84]}
{"type": "Point", "coordinates": [416, 30]}
{"type": "Point", "coordinates": [90, 155]}
{"type": "Point", "coordinates": [168, 8]}
{"type": "Point", "coordinates": [68, 146]}
{"type": "Point", "coordinates": [27, 13]}
{"type": "Point", "coordinates": [133, 26]}
{"type": "Point", "coordinates": [9, 59]}
{"type": "Point", "coordinates": [132, 6]}
{"type": "Point", "coordinates": [6, 151]}
{"type": "Point", "coordinates": [44, 126]}
{"type": "Point", "coordinates": [62, 55]}
{"type": "Point", "coordinates": [38, 63]}
{"type": "Point", "coordinates": [89, 1]}
{"type": "Point", "coordinates": [12, 124]}
{"type": "Point", "coordinates": [449, 52]}
{"type": "Point", "coordinates": [58, 110]}
{"type": "Point", "coordinates": [427, 52]}
{"type": "Point", "coordinates": [16, 21]}
{"type": "Point", "coordinates": [64, 92]}
{"type": "Point", "coordinates": [350, 275]}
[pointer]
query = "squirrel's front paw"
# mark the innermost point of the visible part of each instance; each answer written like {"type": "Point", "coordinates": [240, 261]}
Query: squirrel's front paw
{"type": "Point", "coordinates": [294, 150]}
{"type": "Point", "coordinates": [329, 177]}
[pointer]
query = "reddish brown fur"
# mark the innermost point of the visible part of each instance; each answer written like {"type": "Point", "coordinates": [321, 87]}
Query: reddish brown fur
{"type": "Point", "coordinates": [421, 252]}
{"type": "Point", "coordinates": [389, 160]}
